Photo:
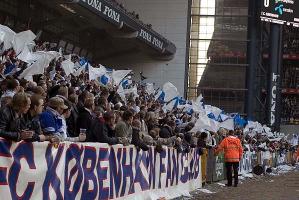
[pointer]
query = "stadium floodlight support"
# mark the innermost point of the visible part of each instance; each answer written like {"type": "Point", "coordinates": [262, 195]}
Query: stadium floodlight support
{"type": "Point", "coordinates": [274, 77]}
{"type": "Point", "coordinates": [263, 82]}
{"type": "Point", "coordinates": [258, 67]}
{"type": "Point", "coordinates": [253, 53]}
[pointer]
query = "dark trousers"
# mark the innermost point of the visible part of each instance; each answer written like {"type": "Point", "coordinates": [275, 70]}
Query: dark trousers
{"type": "Point", "coordinates": [229, 166]}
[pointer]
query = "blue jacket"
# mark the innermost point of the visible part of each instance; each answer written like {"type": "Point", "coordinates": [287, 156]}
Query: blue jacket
{"type": "Point", "coordinates": [50, 122]}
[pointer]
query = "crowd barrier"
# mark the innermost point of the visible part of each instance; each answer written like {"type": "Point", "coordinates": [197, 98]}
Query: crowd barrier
{"type": "Point", "coordinates": [95, 171]}
{"type": "Point", "coordinates": [215, 167]}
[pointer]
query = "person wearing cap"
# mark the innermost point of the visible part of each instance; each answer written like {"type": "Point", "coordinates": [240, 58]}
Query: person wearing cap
{"type": "Point", "coordinates": [233, 152]}
{"type": "Point", "coordinates": [50, 119]}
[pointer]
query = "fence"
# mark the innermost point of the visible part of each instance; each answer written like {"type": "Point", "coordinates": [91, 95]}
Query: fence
{"type": "Point", "coordinates": [215, 168]}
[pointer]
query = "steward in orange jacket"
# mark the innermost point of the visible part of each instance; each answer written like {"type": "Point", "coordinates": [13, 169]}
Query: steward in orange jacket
{"type": "Point", "coordinates": [232, 147]}
{"type": "Point", "coordinates": [233, 152]}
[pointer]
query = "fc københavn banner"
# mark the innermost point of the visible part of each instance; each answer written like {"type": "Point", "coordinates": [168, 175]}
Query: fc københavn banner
{"type": "Point", "coordinates": [39, 171]}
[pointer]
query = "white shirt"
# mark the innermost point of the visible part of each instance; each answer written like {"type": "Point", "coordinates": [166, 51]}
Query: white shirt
{"type": "Point", "coordinates": [63, 128]}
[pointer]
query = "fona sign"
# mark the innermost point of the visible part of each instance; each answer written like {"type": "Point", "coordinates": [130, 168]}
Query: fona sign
{"type": "Point", "coordinates": [151, 39]}
{"type": "Point", "coordinates": [106, 10]}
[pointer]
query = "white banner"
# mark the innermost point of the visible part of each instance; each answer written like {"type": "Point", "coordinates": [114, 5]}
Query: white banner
{"type": "Point", "coordinates": [95, 171]}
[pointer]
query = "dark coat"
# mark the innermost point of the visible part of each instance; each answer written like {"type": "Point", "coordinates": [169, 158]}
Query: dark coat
{"type": "Point", "coordinates": [71, 122]}
{"type": "Point", "coordinates": [10, 124]}
{"type": "Point", "coordinates": [99, 132]}
{"type": "Point", "coordinates": [137, 141]}
{"type": "Point", "coordinates": [33, 124]}
{"type": "Point", "coordinates": [84, 120]}
{"type": "Point", "coordinates": [166, 132]}
{"type": "Point", "coordinates": [201, 143]}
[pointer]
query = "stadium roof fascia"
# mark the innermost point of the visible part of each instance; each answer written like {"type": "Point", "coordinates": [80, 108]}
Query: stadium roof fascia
{"type": "Point", "coordinates": [123, 21]}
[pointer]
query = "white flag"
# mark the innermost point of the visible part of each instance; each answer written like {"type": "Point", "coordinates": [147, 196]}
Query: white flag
{"type": "Point", "coordinates": [39, 66]}
{"type": "Point", "coordinates": [68, 66]}
{"type": "Point", "coordinates": [227, 124]}
{"type": "Point", "coordinates": [150, 88]}
{"type": "Point", "coordinates": [6, 36]}
{"type": "Point", "coordinates": [95, 73]}
{"type": "Point", "coordinates": [204, 122]}
{"type": "Point", "coordinates": [21, 40]}
{"type": "Point", "coordinates": [170, 91]}
{"type": "Point", "coordinates": [199, 99]}
{"type": "Point", "coordinates": [132, 90]}
{"type": "Point", "coordinates": [119, 75]}
{"type": "Point", "coordinates": [170, 106]}
{"type": "Point", "coordinates": [121, 93]}
{"type": "Point", "coordinates": [25, 55]}
{"type": "Point", "coordinates": [78, 71]}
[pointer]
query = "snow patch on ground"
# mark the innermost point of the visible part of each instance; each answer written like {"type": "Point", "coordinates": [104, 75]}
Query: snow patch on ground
{"type": "Point", "coordinates": [249, 175]}
{"type": "Point", "coordinates": [206, 191]}
{"type": "Point", "coordinates": [282, 169]}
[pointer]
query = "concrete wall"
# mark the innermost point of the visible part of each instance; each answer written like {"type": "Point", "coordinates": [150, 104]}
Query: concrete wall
{"type": "Point", "coordinates": [169, 18]}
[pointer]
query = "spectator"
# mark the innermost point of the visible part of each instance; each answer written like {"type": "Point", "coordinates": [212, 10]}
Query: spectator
{"type": "Point", "coordinates": [12, 122]}
{"type": "Point", "coordinates": [151, 121]}
{"type": "Point", "coordinates": [50, 119]}
{"type": "Point", "coordinates": [32, 118]}
{"type": "Point", "coordinates": [66, 136]}
{"type": "Point", "coordinates": [12, 87]}
{"type": "Point", "coordinates": [63, 92]}
{"type": "Point", "coordinates": [167, 130]}
{"type": "Point", "coordinates": [202, 141]}
{"type": "Point", "coordinates": [85, 114]}
{"type": "Point", "coordinates": [110, 123]}
{"type": "Point", "coordinates": [123, 129]}
{"type": "Point", "coordinates": [102, 104]}
{"type": "Point", "coordinates": [136, 140]}
{"type": "Point", "coordinates": [72, 120]}
{"type": "Point", "coordinates": [103, 132]}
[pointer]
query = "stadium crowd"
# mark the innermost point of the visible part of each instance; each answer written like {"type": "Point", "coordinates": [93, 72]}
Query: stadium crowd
{"type": "Point", "coordinates": [56, 106]}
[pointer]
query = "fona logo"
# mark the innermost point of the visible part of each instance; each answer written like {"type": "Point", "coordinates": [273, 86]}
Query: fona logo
{"type": "Point", "coordinates": [279, 9]}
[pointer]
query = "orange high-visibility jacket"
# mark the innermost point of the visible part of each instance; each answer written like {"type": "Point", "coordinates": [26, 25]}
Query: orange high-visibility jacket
{"type": "Point", "coordinates": [232, 147]}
